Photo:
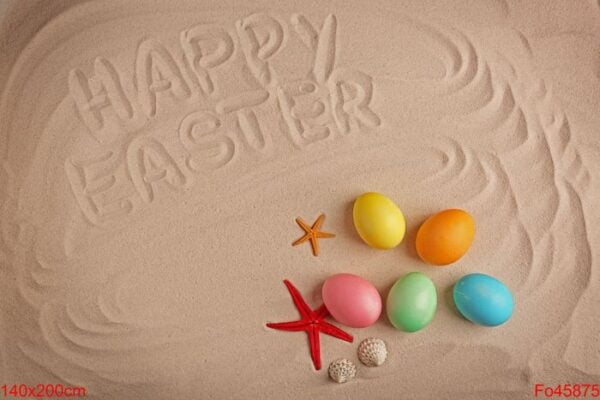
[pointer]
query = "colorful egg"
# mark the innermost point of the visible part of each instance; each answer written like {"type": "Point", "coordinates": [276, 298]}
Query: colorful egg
{"type": "Point", "coordinates": [378, 221]}
{"type": "Point", "coordinates": [412, 302]}
{"type": "Point", "coordinates": [351, 300]}
{"type": "Point", "coordinates": [483, 299]}
{"type": "Point", "coordinates": [445, 237]}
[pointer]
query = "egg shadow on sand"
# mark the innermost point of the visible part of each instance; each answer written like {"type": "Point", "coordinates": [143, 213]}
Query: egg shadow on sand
{"type": "Point", "coordinates": [410, 239]}
{"type": "Point", "coordinates": [384, 296]}
{"type": "Point", "coordinates": [448, 296]}
{"type": "Point", "coordinates": [348, 223]}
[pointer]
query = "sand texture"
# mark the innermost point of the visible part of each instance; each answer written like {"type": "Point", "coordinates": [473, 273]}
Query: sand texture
{"type": "Point", "coordinates": [154, 156]}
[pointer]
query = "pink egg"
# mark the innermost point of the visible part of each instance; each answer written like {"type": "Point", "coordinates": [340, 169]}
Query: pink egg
{"type": "Point", "coordinates": [351, 300]}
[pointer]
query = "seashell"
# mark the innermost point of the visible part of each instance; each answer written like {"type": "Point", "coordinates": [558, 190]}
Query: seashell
{"type": "Point", "coordinates": [372, 352]}
{"type": "Point", "coordinates": [342, 370]}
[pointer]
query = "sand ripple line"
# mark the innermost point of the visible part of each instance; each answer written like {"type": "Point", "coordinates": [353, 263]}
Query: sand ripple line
{"type": "Point", "coordinates": [569, 273]}
{"type": "Point", "coordinates": [558, 135]}
{"type": "Point", "coordinates": [469, 78]}
{"type": "Point", "coordinates": [459, 56]}
{"type": "Point", "coordinates": [66, 350]}
{"type": "Point", "coordinates": [560, 140]}
{"type": "Point", "coordinates": [455, 161]}
{"type": "Point", "coordinates": [493, 113]}
{"type": "Point", "coordinates": [38, 281]}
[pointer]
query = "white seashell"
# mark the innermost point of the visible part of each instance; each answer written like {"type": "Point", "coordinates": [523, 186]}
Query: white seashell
{"type": "Point", "coordinates": [372, 352]}
{"type": "Point", "coordinates": [342, 370]}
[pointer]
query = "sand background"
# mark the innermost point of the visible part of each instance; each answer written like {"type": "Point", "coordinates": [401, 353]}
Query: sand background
{"type": "Point", "coordinates": [144, 245]}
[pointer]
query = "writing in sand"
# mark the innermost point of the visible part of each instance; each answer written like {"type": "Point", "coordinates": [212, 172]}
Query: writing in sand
{"type": "Point", "coordinates": [130, 163]}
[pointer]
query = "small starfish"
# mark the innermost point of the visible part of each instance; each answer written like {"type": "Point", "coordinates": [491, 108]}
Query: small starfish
{"type": "Point", "coordinates": [313, 322]}
{"type": "Point", "coordinates": [313, 233]}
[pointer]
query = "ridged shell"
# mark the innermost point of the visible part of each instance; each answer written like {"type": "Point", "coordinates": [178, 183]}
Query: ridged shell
{"type": "Point", "coordinates": [372, 352]}
{"type": "Point", "coordinates": [342, 370]}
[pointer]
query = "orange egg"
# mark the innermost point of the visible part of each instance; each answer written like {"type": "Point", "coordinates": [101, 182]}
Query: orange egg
{"type": "Point", "coordinates": [445, 237]}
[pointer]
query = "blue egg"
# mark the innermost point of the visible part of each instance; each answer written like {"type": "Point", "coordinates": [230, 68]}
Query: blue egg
{"type": "Point", "coordinates": [483, 299]}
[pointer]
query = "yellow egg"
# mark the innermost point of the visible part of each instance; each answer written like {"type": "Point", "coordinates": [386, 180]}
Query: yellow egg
{"type": "Point", "coordinates": [445, 237]}
{"type": "Point", "coordinates": [378, 221]}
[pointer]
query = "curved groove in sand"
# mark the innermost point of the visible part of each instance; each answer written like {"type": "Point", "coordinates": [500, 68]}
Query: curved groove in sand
{"type": "Point", "coordinates": [456, 52]}
{"type": "Point", "coordinates": [475, 95]}
{"type": "Point", "coordinates": [36, 358]}
{"type": "Point", "coordinates": [456, 162]}
{"type": "Point", "coordinates": [524, 42]}
{"type": "Point", "coordinates": [499, 195]}
{"type": "Point", "coordinates": [517, 124]}
{"type": "Point", "coordinates": [540, 270]}
{"type": "Point", "coordinates": [566, 275]}
{"type": "Point", "coordinates": [576, 225]}
{"type": "Point", "coordinates": [88, 323]}
{"type": "Point", "coordinates": [126, 341]}
{"type": "Point", "coordinates": [31, 290]}
{"type": "Point", "coordinates": [497, 110]}
{"type": "Point", "coordinates": [566, 152]}
{"type": "Point", "coordinates": [45, 276]}
{"type": "Point", "coordinates": [461, 59]}
{"type": "Point", "coordinates": [107, 301]}
{"type": "Point", "coordinates": [97, 354]}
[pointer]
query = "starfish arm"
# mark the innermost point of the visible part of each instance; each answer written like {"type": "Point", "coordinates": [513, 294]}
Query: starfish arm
{"type": "Point", "coordinates": [314, 244]}
{"type": "Point", "coordinates": [301, 240]}
{"type": "Point", "coordinates": [325, 235]}
{"type": "Point", "coordinates": [301, 305]}
{"type": "Point", "coordinates": [334, 331]}
{"type": "Point", "coordinates": [319, 222]}
{"type": "Point", "coordinates": [315, 346]}
{"type": "Point", "coordinates": [321, 312]}
{"type": "Point", "coordinates": [294, 326]}
{"type": "Point", "coordinates": [303, 225]}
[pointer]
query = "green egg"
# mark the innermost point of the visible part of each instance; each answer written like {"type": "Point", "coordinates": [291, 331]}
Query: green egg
{"type": "Point", "coordinates": [411, 302]}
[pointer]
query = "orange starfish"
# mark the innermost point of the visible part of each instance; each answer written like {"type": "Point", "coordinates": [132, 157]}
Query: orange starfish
{"type": "Point", "coordinates": [313, 233]}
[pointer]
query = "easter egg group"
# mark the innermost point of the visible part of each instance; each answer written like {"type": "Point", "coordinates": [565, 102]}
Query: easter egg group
{"type": "Point", "coordinates": [411, 304]}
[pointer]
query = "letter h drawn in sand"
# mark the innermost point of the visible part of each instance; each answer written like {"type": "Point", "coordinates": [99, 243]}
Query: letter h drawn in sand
{"type": "Point", "coordinates": [100, 101]}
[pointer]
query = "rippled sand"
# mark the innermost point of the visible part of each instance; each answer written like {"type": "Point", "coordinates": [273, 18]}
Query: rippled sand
{"type": "Point", "coordinates": [155, 155]}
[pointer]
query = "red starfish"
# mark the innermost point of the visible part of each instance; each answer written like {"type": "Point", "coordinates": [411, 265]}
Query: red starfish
{"type": "Point", "coordinates": [313, 322]}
